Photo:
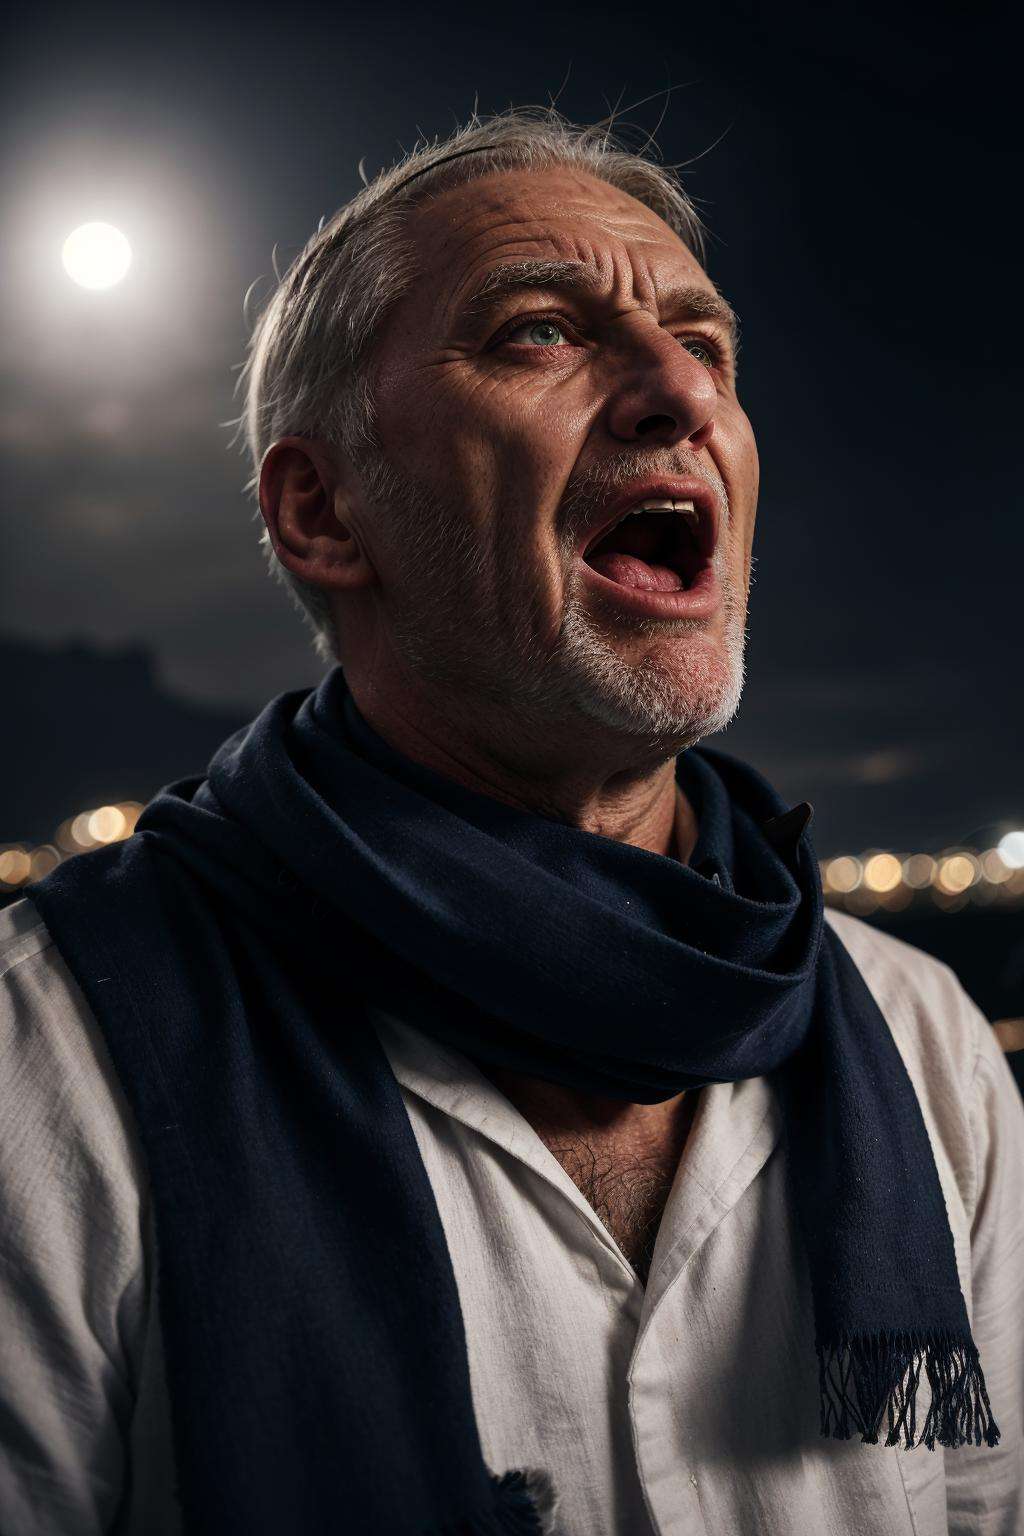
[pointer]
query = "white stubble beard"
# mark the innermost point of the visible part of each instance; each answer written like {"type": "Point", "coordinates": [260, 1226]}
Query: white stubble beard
{"type": "Point", "coordinates": [668, 703]}
{"type": "Point", "coordinates": [678, 701]}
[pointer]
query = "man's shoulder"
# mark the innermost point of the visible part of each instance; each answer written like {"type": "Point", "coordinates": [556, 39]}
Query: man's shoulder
{"type": "Point", "coordinates": [56, 1066]}
{"type": "Point", "coordinates": [23, 934]}
{"type": "Point", "coordinates": [39, 998]}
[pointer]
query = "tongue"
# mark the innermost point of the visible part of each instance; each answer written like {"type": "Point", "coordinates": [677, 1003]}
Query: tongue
{"type": "Point", "coordinates": [631, 571]}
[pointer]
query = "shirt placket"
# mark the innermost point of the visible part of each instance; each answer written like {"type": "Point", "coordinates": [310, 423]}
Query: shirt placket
{"type": "Point", "coordinates": [731, 1139]}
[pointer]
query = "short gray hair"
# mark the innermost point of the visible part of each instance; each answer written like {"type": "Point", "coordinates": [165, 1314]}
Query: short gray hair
{"type": "Point", "coordinates": [308, 364]}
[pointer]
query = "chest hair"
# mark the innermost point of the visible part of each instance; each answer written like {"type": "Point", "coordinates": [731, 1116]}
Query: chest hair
{"type": "Point", "coordinates": [626, 1189]}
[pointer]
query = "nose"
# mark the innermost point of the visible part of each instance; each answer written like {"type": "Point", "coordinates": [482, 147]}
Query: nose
{"type": "Point", "coordinates": [662, 394]}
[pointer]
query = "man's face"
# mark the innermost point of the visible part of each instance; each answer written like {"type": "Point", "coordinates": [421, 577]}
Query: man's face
{"type": "Point", "coordinates": [516, 421]}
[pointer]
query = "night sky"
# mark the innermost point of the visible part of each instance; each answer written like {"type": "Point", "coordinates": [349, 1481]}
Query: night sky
{"type": "Point", "coordinates": [859, 173]}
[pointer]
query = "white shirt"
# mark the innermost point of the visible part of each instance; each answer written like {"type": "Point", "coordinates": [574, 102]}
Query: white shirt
{"type": "Point", "coordinates": [686, 1409]}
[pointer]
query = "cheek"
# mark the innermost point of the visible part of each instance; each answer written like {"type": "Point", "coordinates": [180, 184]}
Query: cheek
{"type": "Point", "coordinates": [737, 462]}
{"type": "Point", "coordinates": [519, 447]}
{"type": "Point", "coordinates": [463, 422]}
{"type": "Point", "coordinates": [538, 426]}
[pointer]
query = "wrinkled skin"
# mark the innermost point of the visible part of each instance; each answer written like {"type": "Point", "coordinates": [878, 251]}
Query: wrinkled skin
{"type": "Point", "coordinates": [469, 637]}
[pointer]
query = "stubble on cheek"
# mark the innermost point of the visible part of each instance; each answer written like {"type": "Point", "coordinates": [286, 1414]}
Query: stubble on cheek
{"type": "Point", "coordinates": [497, 608]}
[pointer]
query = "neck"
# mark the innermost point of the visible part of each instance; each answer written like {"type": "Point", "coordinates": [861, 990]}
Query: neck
{"type": "Point", "coordinates": [642, 806]}
{"type": "Point", "coordinates": [639, 805]}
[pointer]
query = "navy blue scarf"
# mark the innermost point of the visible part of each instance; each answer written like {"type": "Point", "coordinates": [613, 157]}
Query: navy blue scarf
{"type": "Point", "coordinates": [315, 1350]}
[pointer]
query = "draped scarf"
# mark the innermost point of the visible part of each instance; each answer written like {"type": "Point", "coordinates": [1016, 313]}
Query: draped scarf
{"type": "Point", "coordinates": [232, 952]}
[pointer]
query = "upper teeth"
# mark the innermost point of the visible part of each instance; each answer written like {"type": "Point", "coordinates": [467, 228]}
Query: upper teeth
{"type": "Point", "coordinates": [662, 504]}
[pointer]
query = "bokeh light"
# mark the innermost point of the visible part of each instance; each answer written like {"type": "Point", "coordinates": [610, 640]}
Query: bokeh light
{"type": "Point", "coordinates": [131, 810]}
{"type": "Point", "coordinates": [15, 866]}
{"type": "Point", "coordinates": [956, 873]}
{"type": "Point", "coordinates": [1010, 1033]}
{"type": "Point", "coordinates": [919, 871]}
{"type": "Point", "coordinates": [107, 824]}
{"type": "Point", "coordinates": [882, 872]}
{"type": "Point", "coordinates": [874, 881]}
{"type": "Point", "coordinates": [79, 831]}
{"type": "Point", "coordinates": [843, 874]}
{"type": "Point", "coordinates": [994, 867]}
{"type": "Point", "coordinates": [1011, 849]}
{"type": "Point", "coordinates": [42, 860]}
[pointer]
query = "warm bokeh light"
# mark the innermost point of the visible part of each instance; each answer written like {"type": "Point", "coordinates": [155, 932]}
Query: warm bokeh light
{"type": "Point", "coordinates": [1011, 850]}
{"type": "Point", "coordinates": [882, 872]}
{"type": "Point", "coordinates": [950, 880]}
{"type": "Point", "coordinates": [65, 838]}
{"type": "Point", "coordinates": [14, 866]}
{"type": "Point", "coordinates": [79, 831]}
{"type": "Point", "coordinates": [843, 874]}
{"type": "Point", "coordinates": [994, 867]}
{"type": "Point", "coordinates": [107, 824]}
{"type": "Point", "coordinates": [42, 860]}
{"type": "Point", "coordinates": [919, 871]}
{"type": "Point", "coordinates": [956, 873]}
{"type": "Point", "coordinates": [863, 885]}
{"type": "Point", "coordinates": [96, 256]}
{"type": "Point", "coordinates": [1010, 1034]}
{"type": "Point", "coordinates": [20, 863]}
{"type": "Point", "coordinates": [131, 810]}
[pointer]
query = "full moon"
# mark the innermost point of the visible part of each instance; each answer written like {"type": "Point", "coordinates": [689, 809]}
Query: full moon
{"type": "Point", "coordinates": [96, 255]}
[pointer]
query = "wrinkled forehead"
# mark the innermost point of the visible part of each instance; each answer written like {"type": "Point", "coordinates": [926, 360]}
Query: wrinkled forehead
{"type": "Point", "coordinates": [557, 213]}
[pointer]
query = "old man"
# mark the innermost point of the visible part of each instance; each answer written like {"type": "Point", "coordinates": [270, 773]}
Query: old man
{"type": "Point", "coordinates": [455, 1112]}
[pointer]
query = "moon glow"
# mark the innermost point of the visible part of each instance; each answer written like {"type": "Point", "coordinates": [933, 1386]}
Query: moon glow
{"type": "Point", "coordinates": [96, 255]}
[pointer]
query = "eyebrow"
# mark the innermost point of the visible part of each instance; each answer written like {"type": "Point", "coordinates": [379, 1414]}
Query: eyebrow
{"type": "Point", "coordinates": [578, 277]}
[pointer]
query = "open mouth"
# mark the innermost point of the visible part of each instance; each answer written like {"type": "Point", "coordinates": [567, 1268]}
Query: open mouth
{"type": "Point", "coordinates": [658, 545]}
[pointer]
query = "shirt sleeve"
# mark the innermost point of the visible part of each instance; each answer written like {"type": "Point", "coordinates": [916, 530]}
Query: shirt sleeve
{"type": "Point", "coordinates": [985, 1486]}
{"type": "Point", "coordinates": [72, 1261]}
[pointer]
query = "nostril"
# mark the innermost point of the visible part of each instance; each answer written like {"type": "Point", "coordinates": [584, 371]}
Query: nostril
{"type": "Point", "coordinates": [655, 424]}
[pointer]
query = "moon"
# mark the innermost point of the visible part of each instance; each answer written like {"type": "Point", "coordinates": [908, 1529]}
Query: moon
{"type": "Point", "coordinates": [96, 256]}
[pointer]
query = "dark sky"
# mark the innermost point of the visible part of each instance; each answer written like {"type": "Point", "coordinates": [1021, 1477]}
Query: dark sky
{"type": "Point", "coordinates": [859, 171]}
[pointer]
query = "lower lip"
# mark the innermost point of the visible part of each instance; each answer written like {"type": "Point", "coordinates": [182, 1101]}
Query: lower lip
{"type": "Point", "coordinates": [698, 601]}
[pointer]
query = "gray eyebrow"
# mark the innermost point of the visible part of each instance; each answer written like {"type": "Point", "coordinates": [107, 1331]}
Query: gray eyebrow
{"type": "Point", "coordinates": [578, 276]}
{"type": "Point", "coordinates": [513, 276]}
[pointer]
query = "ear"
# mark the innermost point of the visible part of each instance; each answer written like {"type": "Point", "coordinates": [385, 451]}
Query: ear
{"type": "Point", "coordinates": [304, 501]}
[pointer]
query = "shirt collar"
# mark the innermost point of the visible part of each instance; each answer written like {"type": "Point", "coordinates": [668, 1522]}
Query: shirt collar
{"type": "Point", "coordinates": [734, 1132]}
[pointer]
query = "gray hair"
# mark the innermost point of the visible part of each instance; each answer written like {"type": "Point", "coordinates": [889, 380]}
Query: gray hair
{"type": "Point", "coordinates": [307, 372]}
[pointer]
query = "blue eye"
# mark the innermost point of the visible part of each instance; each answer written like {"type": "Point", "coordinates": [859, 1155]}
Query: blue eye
{"type": "Point", "coordinates": [541, 333]}
{"type": "Point", "coordinates": [701, 350]}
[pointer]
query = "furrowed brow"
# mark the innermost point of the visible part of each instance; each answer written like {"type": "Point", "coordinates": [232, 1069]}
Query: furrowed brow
{"type": "Point", "coordinates": [690, 302]}
{"type": "Point", "coordinates": [514, 277]}
{"type": "Point", "coordinates": [698, 304]}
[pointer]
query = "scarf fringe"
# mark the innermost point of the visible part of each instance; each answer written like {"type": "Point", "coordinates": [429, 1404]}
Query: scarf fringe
{"type": "Point", "coordinates": [866, 1380]}
{"type": "Point", "coordinates": [519, 1506]}
{"type": "Point", "coordinates": [521, 1499]}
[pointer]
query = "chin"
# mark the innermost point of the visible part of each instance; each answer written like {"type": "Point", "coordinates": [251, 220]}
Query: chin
{"type": "Point", "coordinates": [679, 688]}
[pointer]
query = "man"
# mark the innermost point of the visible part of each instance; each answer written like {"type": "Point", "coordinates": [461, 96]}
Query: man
{"type": "Point", "coordinates": [454, 1114]}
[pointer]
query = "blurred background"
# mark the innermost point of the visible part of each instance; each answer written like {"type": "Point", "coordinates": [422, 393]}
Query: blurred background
{"type": "Point", "coordinates": [857, 169]}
